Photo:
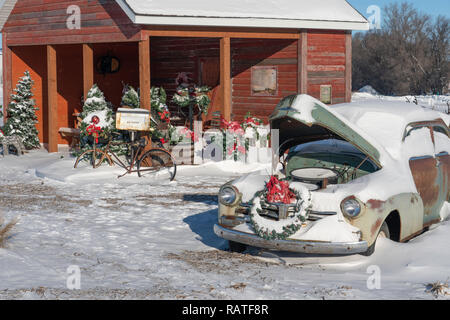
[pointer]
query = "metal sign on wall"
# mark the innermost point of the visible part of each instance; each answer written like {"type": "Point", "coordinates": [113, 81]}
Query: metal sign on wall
{"type": "Point", "coordinates": [133, 119]}
{"type": "Point", "coordinates": [325, 94]}
{"type": "Point", "coordinates": [264, 81]}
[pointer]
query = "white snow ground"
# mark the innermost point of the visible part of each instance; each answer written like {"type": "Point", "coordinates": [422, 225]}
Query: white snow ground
{"type": "Point", "coordinates": [136, 239]}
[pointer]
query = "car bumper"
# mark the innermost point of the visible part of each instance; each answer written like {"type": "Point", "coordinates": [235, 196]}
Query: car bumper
{"type": "Point", "coordinates": [292, 245]}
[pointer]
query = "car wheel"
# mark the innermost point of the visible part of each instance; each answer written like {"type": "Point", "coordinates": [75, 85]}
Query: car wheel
{"type": "Point", "coordinates": [236, 246]}
{"type": "Point", "coordinates": [383, 233]}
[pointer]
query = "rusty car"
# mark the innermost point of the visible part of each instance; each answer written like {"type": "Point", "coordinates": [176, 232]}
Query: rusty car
{"type": "Point", "coordinates": [355, 172]}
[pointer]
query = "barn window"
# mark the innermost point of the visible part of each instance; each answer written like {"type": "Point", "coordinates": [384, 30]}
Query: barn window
{"type": "Point", "coordinates": [264, 81]}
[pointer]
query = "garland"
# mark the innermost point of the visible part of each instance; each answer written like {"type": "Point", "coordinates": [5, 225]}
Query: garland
{"type": "Point", "coordinates": [193, 95]}
{"type": "Point", "coordinates": [282, 229]}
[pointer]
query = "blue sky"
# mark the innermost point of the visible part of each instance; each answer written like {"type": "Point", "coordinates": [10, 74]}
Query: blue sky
{"type": "Point", "coordinates": [432, 7]}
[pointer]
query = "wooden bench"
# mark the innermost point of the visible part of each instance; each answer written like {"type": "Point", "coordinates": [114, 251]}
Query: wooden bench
{"type": "Point", "coordinates": [72, 133]}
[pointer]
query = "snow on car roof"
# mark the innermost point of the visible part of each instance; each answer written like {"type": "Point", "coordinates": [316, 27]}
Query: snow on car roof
{"type": "Point", "coordinates": [410, 112]}
{"type": "Point", "coordinates": [385, 121]}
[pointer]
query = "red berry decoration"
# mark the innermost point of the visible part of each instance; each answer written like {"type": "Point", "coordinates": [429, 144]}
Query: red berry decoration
{"type": "Point", "coordinates": [95, 120]}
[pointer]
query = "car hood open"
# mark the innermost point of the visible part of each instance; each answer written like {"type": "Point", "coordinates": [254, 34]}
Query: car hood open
{"type": "Point", "coordinates": [302, 118]}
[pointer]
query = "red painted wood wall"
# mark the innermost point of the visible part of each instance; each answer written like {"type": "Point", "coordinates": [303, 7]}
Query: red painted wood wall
{"type": "Point", "coordinates": [326, 63]}
{"type": "Point", "coordinates": [325, 60]}
{"type": "Point", "coordinates": [33, 59]}
{"type": "Point", "coordinates": [247, 53]}
{"type": "Point", "coordinates": [70, 78]}
{"type": "Point", "coordinates": [172, 55]}
{"type": "Point", "coordinates": [45, 22]}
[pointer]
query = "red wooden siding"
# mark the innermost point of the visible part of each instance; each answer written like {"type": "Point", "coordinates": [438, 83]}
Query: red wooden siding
{"type": "Point", "coordinates": [172, 55]}
{"type": "Point", "coordinates": [247, 53]}
{"type": "Point", "coordinates": [33, 59]}
{"type": "Point", "coordinates": [44, 22]}
{"type": "Point", "coordinates": [326, 63]}
{"type": "Point", "coordinates": [69, 61]}
{"type": "Point", "coordinates": [112, 84]}
{"type": "Point", "coordinates": [70, 78]}
{"type": "Point", "coordinates": [169, 56]}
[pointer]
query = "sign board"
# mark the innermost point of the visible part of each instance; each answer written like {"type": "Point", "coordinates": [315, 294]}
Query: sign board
{"type": "Point", "coordinates": [325, 94]}
{"type": "Point", "coordinates": [264, 81]}
{"type": "Point", "coordinates": [133, 119]}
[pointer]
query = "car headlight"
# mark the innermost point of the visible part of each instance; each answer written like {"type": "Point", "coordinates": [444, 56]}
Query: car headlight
{"type": "Point", "coordinates": [351, 207]}
{"type": "Point", "coordinates": [228, 195]}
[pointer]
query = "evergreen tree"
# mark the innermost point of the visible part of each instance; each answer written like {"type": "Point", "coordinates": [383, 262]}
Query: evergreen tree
{"type": "Point", "coordinates": [21, 113]}
{"type": "Point", "coordinates": [95, 105]}
{"type": "Point", "coordinates": [130, 98]}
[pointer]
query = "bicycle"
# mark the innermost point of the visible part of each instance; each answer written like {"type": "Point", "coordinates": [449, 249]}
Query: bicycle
{"type": "Point", "coordinates": [154, 161]}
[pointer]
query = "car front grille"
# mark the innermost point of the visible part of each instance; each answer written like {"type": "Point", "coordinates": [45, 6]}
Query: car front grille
{"type": "Point", "coordinates": [271, 212]}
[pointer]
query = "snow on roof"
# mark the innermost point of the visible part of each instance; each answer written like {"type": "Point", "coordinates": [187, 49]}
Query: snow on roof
{"type": "Point", "coordinates": [323, 14]}
{"type": "Point", "coordinates": [6, 6]}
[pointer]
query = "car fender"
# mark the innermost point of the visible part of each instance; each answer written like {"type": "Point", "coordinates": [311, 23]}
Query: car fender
{"type": "Point", "coordinates": [374, 212]}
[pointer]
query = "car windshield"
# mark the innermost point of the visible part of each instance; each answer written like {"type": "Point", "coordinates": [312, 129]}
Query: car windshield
{"type": "Point", "coordinates": [337, 155]}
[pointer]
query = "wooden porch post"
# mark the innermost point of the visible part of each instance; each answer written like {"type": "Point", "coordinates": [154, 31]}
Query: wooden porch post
{"type": "Point", "coordinates": [348, 67]}
{"type": "Point", "coordinates": [88, 68]}
{"type": "Point", "coordinates": [303, 62]}
{"type": "Point", "coordinates": [7, 75]}
{"type": "Point", "coordinates": [225, 76]}
{"type": "Point", "coordinates": [144, 73]}
{"type": "Point", "coordinates": [52, 99]}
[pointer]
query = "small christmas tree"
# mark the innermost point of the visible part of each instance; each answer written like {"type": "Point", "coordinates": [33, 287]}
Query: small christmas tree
{"type": "Point", "coordinates": [21, 113]}
{"type": "Point", "coordinates": [130, 98]}
{"type": "Point", "coordinates": [98, 112]}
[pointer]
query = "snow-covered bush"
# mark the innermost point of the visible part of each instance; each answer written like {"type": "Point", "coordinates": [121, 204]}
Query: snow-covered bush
{"type": "Point", "coordinates": [130, 98]}
{"type": "Point", "coordinates": [21, 113]}
{"type": "Point", "coordinates": [160, 121]}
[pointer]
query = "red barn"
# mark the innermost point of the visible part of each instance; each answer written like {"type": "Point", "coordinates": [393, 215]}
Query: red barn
{"type": "Point", "coordinates": [251, 52]}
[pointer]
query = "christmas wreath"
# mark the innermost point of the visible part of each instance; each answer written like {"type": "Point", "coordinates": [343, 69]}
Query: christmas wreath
{"type": "Point", "coordinates": [278, 192]}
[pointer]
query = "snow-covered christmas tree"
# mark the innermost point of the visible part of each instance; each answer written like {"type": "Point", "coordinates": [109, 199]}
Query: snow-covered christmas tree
{"type": "Point", "coordinates": [21, 114]}
{"type": "Point", "coordinates": [130, 98]}
{"type": "Point", "coordinates": [98, 113]}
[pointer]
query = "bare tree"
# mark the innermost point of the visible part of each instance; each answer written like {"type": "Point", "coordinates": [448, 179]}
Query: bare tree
{"type": "Point", "coordinates": [440, 46]}
{"type": "Point", "coordinates": [408, 56]}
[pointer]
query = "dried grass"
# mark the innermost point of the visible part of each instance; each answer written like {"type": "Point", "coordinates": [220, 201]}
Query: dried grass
{"type": "Point", "coordinates": [5, 230]}
{"type": "Point", "coordinates": [438, 288]}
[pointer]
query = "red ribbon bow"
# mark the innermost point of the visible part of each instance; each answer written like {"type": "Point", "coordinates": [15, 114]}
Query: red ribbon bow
{"type": "Point", "coordinates": [278, 191]}
{"type": "Point", "coordinates": [94, 131]}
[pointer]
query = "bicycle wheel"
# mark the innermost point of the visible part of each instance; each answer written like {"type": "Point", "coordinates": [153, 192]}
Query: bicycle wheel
{"type": "Point", "coordinates": [157, 163]}
{"type": "Point", "coordinates": [94, 156]}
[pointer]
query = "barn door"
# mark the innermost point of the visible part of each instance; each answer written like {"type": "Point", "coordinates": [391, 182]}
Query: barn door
{"type": "Point", "coordinates": [209, 75]}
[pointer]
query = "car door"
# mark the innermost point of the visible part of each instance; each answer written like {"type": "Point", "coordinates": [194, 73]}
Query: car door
{"type": "Point", "coordinates": [419, 148]}
{"type": "Point", "coordinates": [442, 149]}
